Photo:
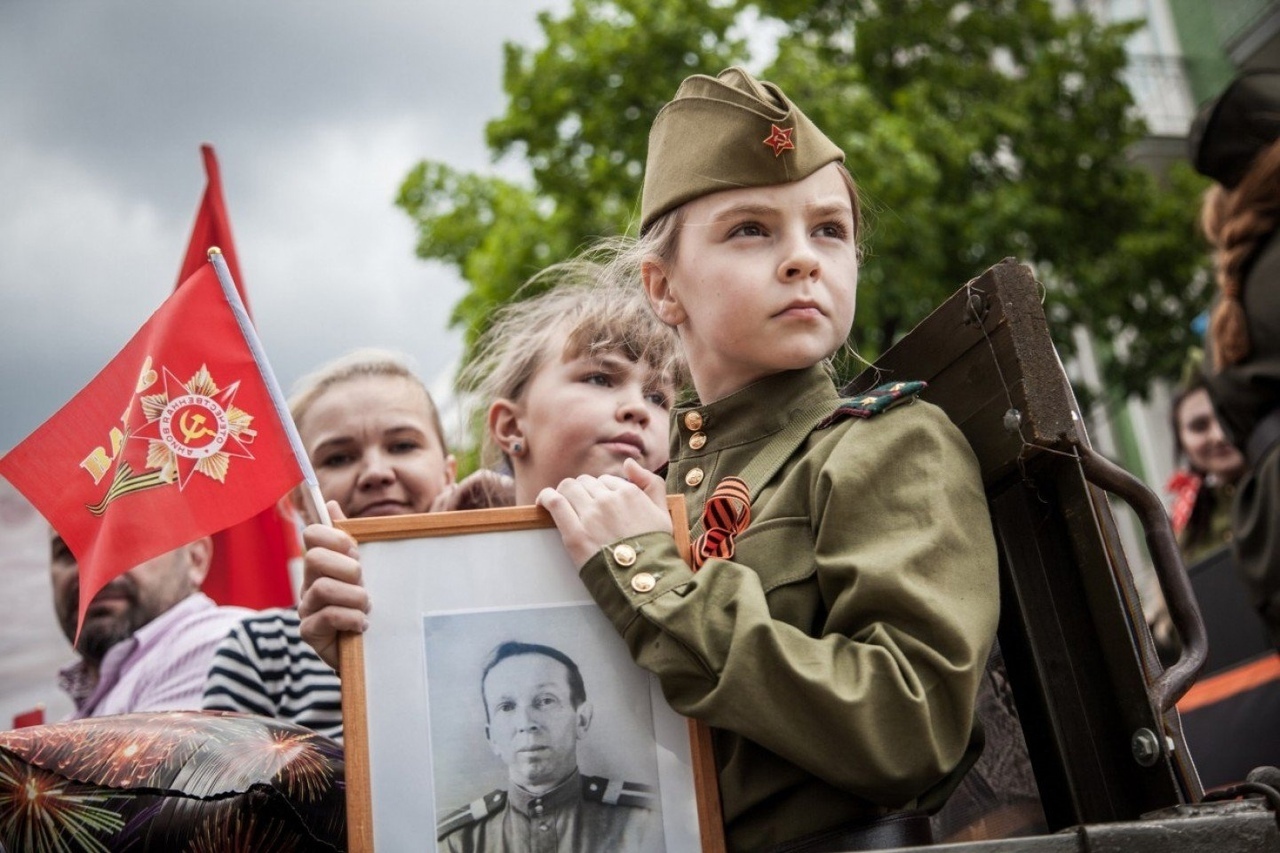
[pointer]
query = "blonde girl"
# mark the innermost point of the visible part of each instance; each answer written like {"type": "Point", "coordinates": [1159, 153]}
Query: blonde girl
{"type": "Point", "coordinates": [844, 599]}
{"type": "Point", "coordinates": [578, 379]}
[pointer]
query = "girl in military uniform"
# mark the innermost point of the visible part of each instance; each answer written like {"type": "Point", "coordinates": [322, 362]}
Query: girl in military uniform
{"type": "Point", "coordinates": [835, 624]}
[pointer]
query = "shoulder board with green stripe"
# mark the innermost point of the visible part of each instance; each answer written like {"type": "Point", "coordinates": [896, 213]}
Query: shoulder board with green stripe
{"type": "Point", "coordinates": [874, 402]}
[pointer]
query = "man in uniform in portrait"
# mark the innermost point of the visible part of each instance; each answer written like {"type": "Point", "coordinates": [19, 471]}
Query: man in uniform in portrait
{"type": "Point", "coordinates": [536, 711]}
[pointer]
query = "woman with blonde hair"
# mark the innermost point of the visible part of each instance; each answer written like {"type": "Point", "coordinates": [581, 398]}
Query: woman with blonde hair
{"type": "Point", "coordinates": [373, 435]}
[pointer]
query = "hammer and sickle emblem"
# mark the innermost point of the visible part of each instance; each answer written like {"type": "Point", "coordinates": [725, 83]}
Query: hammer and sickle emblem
{"type": "Point", "coordinates": [192, 426]}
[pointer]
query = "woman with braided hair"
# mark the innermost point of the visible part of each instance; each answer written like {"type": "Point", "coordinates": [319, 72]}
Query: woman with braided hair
{"type": "Point", "coordinates": [1236, 141]}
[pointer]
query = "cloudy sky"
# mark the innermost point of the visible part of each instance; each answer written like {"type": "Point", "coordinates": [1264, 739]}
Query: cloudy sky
{"type": "Point", "coordinates": [317, 110]}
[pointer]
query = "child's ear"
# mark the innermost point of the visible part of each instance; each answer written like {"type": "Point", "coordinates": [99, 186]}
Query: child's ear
{"type": "Point", "coordinates": [504, 425]}
{"type": "Point", "coordinates": [662, 297]}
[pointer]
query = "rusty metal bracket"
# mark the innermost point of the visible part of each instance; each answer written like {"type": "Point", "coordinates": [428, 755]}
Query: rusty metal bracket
{"type": "Point", "coordinates": [1176, 680]}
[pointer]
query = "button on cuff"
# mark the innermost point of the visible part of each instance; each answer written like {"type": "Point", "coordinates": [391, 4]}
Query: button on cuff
{"type": "Point", "coordinates": [624, 555]}
{"type": "Point", "coordinates": [643, 582]}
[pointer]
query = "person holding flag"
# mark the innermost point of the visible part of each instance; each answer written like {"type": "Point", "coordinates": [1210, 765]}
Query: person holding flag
{"type": "Point", "coordinates": [375, 437]}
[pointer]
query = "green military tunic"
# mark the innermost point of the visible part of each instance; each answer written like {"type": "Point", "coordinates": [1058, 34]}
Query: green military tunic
{"type": "Point", "coordinates": [839, 652]}
{"type": "Point", "coordinates": [583, 813]}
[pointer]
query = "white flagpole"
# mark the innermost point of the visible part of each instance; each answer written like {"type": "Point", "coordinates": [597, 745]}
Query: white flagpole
{"type": "Point", "coordinates": [273, 387]}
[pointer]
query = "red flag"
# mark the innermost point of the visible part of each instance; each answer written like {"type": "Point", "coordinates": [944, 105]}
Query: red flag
{"type": "Point", "coordinates": [177, 437]}
{"type": "Point", "coordinates": [250, 560]}
{"type": "Point", "coordinates": [212, 228]}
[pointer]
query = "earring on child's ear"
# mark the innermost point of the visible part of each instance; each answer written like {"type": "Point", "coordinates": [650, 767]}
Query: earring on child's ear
{"type": "Point", "coordinates": [517, 448]}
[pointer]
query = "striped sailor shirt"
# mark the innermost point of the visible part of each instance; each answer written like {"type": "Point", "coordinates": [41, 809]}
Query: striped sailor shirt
{"type": "Point", "coordinates": [264, 667]}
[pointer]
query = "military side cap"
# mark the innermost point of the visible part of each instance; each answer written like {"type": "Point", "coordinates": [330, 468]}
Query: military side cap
{"type": "Point", "coordinates": [727, 132]}
{"type": "Point", "coordinates": [1231, 130]}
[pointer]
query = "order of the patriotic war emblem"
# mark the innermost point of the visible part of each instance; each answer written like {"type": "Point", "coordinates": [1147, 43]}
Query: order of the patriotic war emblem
{"type": "Point", "coordinates": [189, 428]}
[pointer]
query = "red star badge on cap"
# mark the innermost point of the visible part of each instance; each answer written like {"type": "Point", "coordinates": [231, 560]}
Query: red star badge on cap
{"type": "Point", "coordinates": [780, 140]}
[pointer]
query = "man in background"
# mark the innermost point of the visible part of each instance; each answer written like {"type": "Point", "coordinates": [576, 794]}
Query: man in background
{"type": "Point", "coordinates": [148, 636]}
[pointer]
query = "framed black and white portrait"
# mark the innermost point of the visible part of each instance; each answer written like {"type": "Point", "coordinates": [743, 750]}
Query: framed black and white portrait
{"type": "Point", "coordinates": [491, 702]}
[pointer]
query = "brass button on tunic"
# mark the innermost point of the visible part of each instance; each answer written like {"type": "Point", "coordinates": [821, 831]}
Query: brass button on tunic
{"type": "Point", "coordinates": [644, 582]}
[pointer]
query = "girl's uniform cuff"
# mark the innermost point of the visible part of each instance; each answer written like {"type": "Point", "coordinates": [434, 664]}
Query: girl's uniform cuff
{"type": "Point", "coordinates": [626, 575]}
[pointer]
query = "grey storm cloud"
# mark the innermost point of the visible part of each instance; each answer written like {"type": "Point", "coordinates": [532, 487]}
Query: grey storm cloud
{"type": "Point", "coordinates": [317, 110]}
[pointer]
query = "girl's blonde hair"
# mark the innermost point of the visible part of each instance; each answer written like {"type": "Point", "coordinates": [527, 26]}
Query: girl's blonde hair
{"type": "Point", "coordinates": [1236, 222]}
{"type": "Point", "coordinates": [359, 364]}
{"type": "Point", "coordinates": [584, 313]}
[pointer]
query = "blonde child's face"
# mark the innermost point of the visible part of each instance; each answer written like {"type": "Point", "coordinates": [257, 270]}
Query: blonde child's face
{"type": "Point", "coordinates": [763, 281]}
{"type": "Point", "coordinates": [584, 414]}
{"type": "Point", "coordinates": [374, 446]}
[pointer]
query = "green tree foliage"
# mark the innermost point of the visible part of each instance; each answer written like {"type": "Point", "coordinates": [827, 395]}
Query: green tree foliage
{"type": "Point", "coordinates": [975, 130]}
{"type": "Point", "coordinates": [578, 114]}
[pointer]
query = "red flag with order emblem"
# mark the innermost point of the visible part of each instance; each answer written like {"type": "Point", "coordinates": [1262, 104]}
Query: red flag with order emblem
{"type": "Point", "coordinates": [250, 564]}
{"type": "Point", "coordinates": [177, 437]}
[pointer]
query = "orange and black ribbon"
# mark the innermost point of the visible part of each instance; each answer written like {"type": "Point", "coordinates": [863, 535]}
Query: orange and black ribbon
{"type": "Point", "coordinates": [726, 514]}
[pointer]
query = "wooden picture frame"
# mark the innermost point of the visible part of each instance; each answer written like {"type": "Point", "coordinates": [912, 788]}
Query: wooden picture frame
{"type": "Point", "coordinates": [444, 588]}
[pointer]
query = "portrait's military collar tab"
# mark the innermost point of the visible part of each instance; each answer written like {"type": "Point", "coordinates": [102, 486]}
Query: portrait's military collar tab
{"type": "Point", "coordinates": [472, 813]}
{"type": "Point", "coordinates": [566, 793]}
{"type": "Point", "coordinates": [615, 792]}
{"type": "Point", "coordinates": [876, 401]}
